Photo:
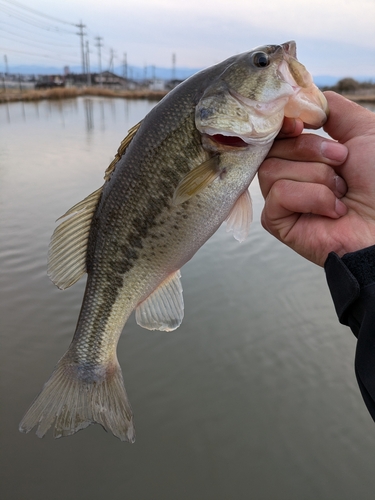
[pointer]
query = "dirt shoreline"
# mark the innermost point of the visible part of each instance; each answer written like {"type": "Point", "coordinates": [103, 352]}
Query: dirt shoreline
{"type": "Point", "coordinates": [12, 95]}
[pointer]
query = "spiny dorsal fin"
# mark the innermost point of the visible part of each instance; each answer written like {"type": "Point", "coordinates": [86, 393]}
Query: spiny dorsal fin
{"type": "Point", "coordinates": [68, 246]}
{"type": "Point", "coordinates": [240, 217]}
{"type": "Point", "coordinates": [121, 150]}
{"type": "Point", "coordinates": [164, 308]}
{"type": "Point", "coordinates": [196, 180]}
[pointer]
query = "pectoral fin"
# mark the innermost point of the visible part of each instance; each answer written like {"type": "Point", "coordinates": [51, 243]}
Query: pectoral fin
{"type": "Point", "coordinates": [164, 308]}
{"type": "Point", "coordinates": [196, 180]}
{"type": "Point", "coordinates": [240, 217]}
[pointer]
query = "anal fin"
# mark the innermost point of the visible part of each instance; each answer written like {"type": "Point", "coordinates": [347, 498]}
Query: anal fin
{"type": "Point", "coordinates": [164, 308]}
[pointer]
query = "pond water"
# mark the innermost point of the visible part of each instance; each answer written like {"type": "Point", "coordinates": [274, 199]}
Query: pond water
{"type": "Point", "coordinates": [254, 396]}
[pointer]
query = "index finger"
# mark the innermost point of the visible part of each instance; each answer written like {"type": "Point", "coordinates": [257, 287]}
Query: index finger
{"type": "Point", "coordinates": [309, 148]}
{"type": "Point", "coordinates": [291, 127]}
{"type": "Point", "coordinates": [347, 119]}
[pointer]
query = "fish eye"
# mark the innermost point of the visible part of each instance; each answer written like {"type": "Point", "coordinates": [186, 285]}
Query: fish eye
{"type": "Point", "coordinates": [260, 59]}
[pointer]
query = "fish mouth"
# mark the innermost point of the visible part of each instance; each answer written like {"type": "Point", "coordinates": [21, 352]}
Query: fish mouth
{"type": "Point", "coordinates": [307, 102]}
{"type": "Point", "coordinates": [290, 48]}
{"type": "Point", "coordinates": [219, 143]}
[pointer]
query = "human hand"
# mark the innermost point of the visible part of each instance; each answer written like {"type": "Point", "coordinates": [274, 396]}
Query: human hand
{"type": "Point", "coordinates": [320, 194]}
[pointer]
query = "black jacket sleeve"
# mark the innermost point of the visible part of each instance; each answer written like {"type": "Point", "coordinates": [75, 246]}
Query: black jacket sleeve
{"type": "Point", "coordinates": [351, 280]}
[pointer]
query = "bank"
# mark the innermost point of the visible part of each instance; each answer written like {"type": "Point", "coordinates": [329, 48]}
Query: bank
{"type": "Point", "coordinates": [27, 95]}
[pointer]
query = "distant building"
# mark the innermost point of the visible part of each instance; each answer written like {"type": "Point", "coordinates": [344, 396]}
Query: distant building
{"type": "Point", "coordinates": [49, 82]}
{"type": "Point", "coordinates": [104, 79]}
{"type": "Point", "coordinates": [156, 84]}
{"type": "Point", "coordinates": [107, 78]}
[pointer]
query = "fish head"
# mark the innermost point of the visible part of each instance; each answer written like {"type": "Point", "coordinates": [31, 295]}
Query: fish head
{"type": "Point", "coordinates": [247, 102]}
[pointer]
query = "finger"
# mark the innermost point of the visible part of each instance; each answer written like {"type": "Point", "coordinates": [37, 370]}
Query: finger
{"type": "Point", "coordinates": [291, 128]}
{"type": "Point", "coordinates": [287, 200]}
{"type": "Point", "coordinates": [346, 118]}
{"type": "Point", "coordinates": [275, 169]}
{"type": "Point", "coordinates": [310, 147]}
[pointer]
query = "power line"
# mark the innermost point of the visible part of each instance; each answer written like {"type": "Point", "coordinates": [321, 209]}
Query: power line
{"type": "Point", "coordinates": [51, 51]}
{"type": "Point", "coordinates": [34, 11]}
{"type": "Point", "coordinates": [27, 53]}
{"type": "Point", "coordinates": [32, 21]}
{"type": "Point", "coordinates": [46, 42]}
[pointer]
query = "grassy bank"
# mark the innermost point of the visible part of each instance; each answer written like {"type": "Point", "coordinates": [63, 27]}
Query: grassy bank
{"type": "Point", "coordinates": [12, 95]}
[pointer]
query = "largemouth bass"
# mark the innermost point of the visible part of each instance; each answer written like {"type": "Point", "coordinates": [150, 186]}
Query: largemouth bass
{"type": "Point", "coordinates": [177, 176]}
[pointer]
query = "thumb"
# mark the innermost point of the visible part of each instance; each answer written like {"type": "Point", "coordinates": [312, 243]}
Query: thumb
{"type": "Point", "coordinates": [346, 118]}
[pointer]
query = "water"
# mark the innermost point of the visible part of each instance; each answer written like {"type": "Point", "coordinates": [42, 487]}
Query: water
{"type": "Point", "coordinates": [254, 396]}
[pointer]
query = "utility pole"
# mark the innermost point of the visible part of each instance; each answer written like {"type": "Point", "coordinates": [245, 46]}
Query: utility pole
{"type": "Point", "coordinates": [81, 34]}
{"type": "Point", "coordinates": [88, 64]}
{"type": "Point", "coordinates": [125, 67]}
{"type": "Point", "coordinates": [111, 60]}
{"type": "Point", "coordinates": [6, 65]}
{"type": "Point", "coordinates": [99, 45]}
{"type": "Point", "coordinates": [173, 66]}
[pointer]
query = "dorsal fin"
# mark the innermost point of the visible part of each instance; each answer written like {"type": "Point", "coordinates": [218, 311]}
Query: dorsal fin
{"type": "Point", "coordinates": [121, 150]}
{"type": "Point", "coordinates": [68, 246]}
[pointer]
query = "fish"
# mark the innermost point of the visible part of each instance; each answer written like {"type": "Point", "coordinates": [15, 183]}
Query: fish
{"type": "Point", "coordinates": [177, 176]}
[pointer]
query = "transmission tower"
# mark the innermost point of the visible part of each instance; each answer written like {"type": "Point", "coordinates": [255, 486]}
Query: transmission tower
{"type": "Point", "coordinates": [112, 56]}
{"type": "Point", "coordinates": [80, 26]}
{"type": "Point", "coordinates": [173, 66]}
{"type": "Point", "coordinates": [125, 66]}
{"type": "Point", "coordinates": [88, 64]}
{"type": "Point", "coordinates": [99, 45]}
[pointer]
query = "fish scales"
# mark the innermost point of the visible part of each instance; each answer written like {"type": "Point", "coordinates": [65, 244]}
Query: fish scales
{"type": "Point", "coordinates": [176, 177]}
{"type": "Point", "coordinates": [117, 254]}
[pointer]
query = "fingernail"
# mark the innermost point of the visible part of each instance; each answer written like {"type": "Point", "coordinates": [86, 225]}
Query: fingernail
{"type": "Point", "coordinates": [340, 208]}
{"type": "Point", "coordinates": [341, 187]}
{"type": "Point", "coordinates": [334, 151]}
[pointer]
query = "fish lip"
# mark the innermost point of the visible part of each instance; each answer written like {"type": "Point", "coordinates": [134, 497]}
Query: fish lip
{"type": "Point", "coordinates": [290, 48]}
{"type": "Point", "coordinates": [305, 87]}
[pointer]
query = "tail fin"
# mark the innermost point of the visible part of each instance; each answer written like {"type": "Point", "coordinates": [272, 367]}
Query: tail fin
{"type": "Point", "coordinates": [76, 403]}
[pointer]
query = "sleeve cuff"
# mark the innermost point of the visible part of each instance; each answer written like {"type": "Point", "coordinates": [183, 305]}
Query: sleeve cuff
{"type": "Point", "coordinates": [346, 277]}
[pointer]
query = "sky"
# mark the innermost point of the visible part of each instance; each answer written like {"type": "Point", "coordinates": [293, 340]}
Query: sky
{"type": "Point", "coordinates": [334, 37]}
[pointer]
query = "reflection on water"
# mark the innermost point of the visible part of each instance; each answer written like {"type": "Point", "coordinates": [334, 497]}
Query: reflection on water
{"type": "Point", "coordinates": [88, 113]}
{"type": "Point", "coordinates": [254, 396]}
